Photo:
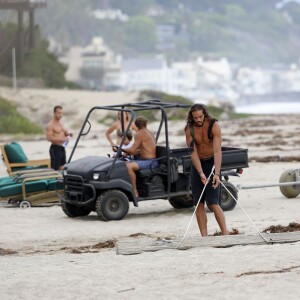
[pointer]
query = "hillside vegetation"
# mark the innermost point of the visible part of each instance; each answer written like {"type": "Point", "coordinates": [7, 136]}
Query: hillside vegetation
{"type": "Point", "coordinates": [250, 32]}
{"type": "Point", "coordinates": [11, 122]}
{"type": "Point", "coordinates": [39, 64]}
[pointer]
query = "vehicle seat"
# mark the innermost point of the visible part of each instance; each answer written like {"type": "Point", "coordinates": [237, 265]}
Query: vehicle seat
{"type": "Point", "coordinates": [161, 155]}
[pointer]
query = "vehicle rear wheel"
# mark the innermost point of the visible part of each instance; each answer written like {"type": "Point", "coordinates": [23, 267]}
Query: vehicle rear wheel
{"type": "Point", "coordinates": [112, 205]}
{"type": "Point", "coordinates": [74, 211]}
{"type": "Point", "coordinates": [182, 202]}
{"type": "Point", "coordinates": [290, 191]}
{"type": "Point", "coordinates": [227, 202]}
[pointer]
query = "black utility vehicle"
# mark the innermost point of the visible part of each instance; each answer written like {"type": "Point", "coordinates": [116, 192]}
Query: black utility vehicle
{"type": "Point", "coordinates": [102, 184]}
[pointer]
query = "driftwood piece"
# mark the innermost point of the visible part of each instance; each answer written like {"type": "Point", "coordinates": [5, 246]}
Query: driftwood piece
{"type": "Point", "coordinates": [147, 244]}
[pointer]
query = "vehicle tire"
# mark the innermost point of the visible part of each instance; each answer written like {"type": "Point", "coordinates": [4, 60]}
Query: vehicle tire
{"type": "Point", "coordinates": [112, 205]}
{"type": "Point", "coordinates": [290, 191]}
{"type": "Point", "coordinates": [74, 211]}
{"type": "Point", "coordinates": [182, 202]}
{"type": "Point", "coordinates": [227, 202]}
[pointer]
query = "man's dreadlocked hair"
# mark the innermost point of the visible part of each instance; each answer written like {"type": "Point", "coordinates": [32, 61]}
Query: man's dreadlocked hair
{"type": "Point", "coordinates": [189, 119]}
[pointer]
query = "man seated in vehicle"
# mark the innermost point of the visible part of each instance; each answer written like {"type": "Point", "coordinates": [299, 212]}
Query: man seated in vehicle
{"type": "Point", "coordinates": [145, 146]}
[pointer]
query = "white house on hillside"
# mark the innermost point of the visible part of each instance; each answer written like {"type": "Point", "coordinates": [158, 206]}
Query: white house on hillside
{"type": "Point", "coordinates": [141, 74]}
{"type": "Point", "coordinates": [94, 66]}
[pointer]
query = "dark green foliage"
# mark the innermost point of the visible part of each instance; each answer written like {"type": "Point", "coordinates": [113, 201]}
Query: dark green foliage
{"type": "Point", "coordinates": [173, 114]}
{"type": "Point", "coordinates": [40, 63]}
{"type": "Point", "coordinates": [179, 114]}
{"type": "Point", "coordinates": [140, 32]}
{"type": "Point", "coordinates": [249, 32]}
{"type": "Point", "coordinates": [11, 122]}
{"type": "Point", "coordinates": [7, 42]}
{"type": "Point", "coordinates": [149, 94]}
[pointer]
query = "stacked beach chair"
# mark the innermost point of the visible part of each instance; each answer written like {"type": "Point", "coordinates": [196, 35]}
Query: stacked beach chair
{"type": "Point", "coordinates": [30, 182]}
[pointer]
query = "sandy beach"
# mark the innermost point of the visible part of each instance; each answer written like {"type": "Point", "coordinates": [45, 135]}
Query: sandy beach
{"type": "Point", "coordinates": [46, 255]}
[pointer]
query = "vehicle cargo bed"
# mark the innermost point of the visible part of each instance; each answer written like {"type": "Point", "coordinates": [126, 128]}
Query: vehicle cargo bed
{"type": "Point", "coordinates": [232, 158]}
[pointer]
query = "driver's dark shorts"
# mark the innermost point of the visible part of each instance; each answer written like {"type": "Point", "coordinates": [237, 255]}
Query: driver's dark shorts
{"type": "Point", "coordinates": [147, 163]}
{"type": "Point", "coordinates": [210, 195]}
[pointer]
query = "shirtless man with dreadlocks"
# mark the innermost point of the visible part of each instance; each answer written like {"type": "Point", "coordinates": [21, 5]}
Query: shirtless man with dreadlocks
{"type": "Point", "coordinates": [205, 132]}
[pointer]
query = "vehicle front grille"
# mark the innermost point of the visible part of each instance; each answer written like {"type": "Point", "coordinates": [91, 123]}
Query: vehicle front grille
{"type": "Point", "coordinates": [77, 190]}
{"type": "Point", "coordinates": [74, 188]}
{"type": "Point", "coordinates": [73, 183]}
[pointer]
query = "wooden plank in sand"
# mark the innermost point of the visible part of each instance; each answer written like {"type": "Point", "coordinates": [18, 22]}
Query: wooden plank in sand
{"type": "Point", "coordinates": [147, 244]}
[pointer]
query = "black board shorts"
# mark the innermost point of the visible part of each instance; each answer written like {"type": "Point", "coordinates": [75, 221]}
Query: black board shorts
{"type": "Point", "coordinates": [210, 195]}
{"type": "Point", "coordinates": [58, 156]}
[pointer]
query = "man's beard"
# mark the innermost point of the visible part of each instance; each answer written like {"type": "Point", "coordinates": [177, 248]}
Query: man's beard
{"type": "Point", "coordinates": [197, 124]}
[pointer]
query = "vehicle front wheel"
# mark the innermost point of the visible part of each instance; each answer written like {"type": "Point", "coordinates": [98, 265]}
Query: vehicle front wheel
{"type": "Point", "coordinates": [73, 211]}
{"type": "Point", "coordinates": [289, 191]}
{"type": "Point", "coordinates": [112, 205]}
{"type": "Point", "coordinates": [227, 202]}
{"type": "Point", "coordinates": [182, 202]}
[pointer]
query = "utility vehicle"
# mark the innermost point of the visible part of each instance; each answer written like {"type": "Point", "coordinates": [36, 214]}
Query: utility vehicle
{"type": "Point", "coordinates": [102, 184]}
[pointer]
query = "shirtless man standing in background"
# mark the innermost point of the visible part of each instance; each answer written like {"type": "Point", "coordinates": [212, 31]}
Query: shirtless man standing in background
{"type": "Point", "coordinates": [58, 136]}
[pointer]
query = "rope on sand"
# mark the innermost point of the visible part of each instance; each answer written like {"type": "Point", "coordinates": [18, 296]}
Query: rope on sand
{"type": "Point", "coordinates": [245, 213]}
{"type": "Point", "coordinates": [188, 227]}
{"type": "Point", "coordinates": [184, 236]}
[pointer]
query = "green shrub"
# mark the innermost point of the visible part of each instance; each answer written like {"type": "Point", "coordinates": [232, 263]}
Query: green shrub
{"type": "Point", "coordinates": [11, 122]}
{"type": "Point", "coordinates": [173, 113]}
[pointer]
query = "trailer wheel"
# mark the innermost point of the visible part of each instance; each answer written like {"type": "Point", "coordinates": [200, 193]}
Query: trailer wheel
{"type": "Point", "coordinates": [290, 191]}
{"type": "Point", "coordinates": [14, 202]}
{"type": "Point", "coordinates": [182, 202]}
{"type": "Point", "coordinates": [24, 204]}
{"type": "Point", "coordinates": [227, 202]}
{"type": "Point", "coordinates": [73, 211]}
{"type": "Point", "coordinates": [112, 205]}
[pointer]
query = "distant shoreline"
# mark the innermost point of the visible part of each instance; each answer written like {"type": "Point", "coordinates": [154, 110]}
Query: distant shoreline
{"type": "Point", "coordinates": [270, 108]}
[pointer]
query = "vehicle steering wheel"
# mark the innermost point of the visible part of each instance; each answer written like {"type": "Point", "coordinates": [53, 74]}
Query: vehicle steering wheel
{"type": "Point", "coordinates": [117, 147]}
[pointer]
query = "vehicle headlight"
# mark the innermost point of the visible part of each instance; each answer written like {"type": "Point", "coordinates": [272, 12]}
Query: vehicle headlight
{"type": "Point", "coordinates": [65, 172]}
{"type": "Point", "coordinates": [96, 176]}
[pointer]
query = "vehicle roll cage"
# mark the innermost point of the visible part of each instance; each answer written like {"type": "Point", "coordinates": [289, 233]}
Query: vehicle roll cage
{"type": "Point", "coordinates": [132, 109]}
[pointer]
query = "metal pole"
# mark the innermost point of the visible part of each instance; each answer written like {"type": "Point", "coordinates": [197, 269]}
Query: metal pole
{"type": "Point", "coordinates": [14, 69]}
{"type": "Point", "coordinates": [20, 51]}
{"type": "Point", "coordinates": [268, 185]}
{"type": "Point", "coordinates": [31, 29]}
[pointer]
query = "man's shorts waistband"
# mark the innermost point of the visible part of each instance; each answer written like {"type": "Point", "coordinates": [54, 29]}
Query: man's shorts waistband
{"type": "Point", "coordinates": [207, 158]}
{"type": "Point", "coordinates": [56, 146]}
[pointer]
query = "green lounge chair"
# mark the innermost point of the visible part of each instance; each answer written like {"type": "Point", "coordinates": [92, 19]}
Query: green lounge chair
{"type": "Point", "coordinates": [15, 159]}
{"type": "Point", "coordinates": [31, 189]}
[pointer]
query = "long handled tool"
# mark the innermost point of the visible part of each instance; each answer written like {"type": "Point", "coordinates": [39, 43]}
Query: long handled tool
{"type": "Point", "coordinates": [212, 170]}
{"type": "Point", "coordinates": [256, 186]}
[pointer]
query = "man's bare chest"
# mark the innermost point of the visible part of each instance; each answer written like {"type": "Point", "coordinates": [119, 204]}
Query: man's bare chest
{"type": "Point", "coordinates": [58, 129]}
{"type": "Point", "coordinates": [201, 136]}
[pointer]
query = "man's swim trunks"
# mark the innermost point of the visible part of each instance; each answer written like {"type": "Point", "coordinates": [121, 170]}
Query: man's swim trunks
{"type": "Point", "coordinates": [58, 156]}
{"type": "Point", "coordinates": [210, 195]}
{"type": "Point", "coordinates": [147, 163]}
